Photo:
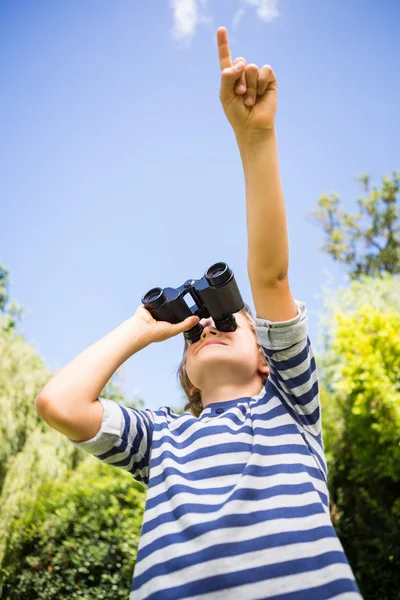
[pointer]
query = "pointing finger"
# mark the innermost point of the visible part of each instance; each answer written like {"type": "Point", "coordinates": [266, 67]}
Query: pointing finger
{"type": "Point", "coordinates": [224, 53]}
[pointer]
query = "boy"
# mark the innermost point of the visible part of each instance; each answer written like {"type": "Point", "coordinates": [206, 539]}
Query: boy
{"type": "Point", "coordinates": [237, 503]}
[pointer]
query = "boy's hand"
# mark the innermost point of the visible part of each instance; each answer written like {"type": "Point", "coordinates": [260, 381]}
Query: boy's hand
{"type": "Point", "coordinates": [248, 94]}
{"type": "Point", "coordinates": [144, 325]}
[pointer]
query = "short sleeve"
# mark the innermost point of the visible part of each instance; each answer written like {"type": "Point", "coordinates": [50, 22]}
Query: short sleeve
{"type": "Point", "coordinates": [293, 373]}
{"type": "Point", "coordinates": [124, 439]}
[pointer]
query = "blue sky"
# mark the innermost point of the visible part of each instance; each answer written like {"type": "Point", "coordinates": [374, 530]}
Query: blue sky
{"type": "Point", "coordinates": [120, 171]}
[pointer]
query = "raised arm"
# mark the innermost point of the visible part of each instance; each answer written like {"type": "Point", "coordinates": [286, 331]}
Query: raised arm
{"type": "Point", "coordinates": [249, 99]}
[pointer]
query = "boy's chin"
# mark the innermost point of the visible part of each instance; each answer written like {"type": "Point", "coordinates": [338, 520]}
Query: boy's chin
{"type": "Point", "coordinates": [216, 354]}
{"type": "Point", "coordinates": [217, 367]}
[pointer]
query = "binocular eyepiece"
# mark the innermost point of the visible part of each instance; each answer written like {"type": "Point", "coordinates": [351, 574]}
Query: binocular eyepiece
{"type": "Point", "coordinates": [215, 295]}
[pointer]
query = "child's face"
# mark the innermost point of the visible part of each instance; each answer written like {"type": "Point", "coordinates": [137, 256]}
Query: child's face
{"type": "Point", "coordinates": [235, 359]}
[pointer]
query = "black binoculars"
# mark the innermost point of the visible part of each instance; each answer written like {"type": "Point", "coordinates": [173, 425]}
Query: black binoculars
{"type": "Point", "coordinates": [215, 295]}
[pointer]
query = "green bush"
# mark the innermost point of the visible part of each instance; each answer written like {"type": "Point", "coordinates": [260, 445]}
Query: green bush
{"type": "Point", "coordinates": [361, 418]}
{"type": "Point", "coordinates": [32, 454]}
{"type": "Point", "coordinates": [78, 539]}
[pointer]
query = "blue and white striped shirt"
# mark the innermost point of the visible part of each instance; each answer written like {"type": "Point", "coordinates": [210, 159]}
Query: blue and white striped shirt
{"type": "Point", "coordinates": [237, 502]}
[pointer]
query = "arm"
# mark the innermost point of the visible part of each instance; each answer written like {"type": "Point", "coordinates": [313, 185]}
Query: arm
{"type": "Point", "coordinates": [268, 246]}
{"type": "Point", "coordinates": [117, 435]}
{"type": "Point", "coordinates": [249, 97]}
{"type": "Point", "coordinates": [69, 401]}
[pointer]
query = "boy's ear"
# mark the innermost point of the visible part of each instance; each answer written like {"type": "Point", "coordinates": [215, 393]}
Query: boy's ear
{"type": "Point", "coordinates": [264, 366]}
{"type": "Point", "coordinates": [264, 369]}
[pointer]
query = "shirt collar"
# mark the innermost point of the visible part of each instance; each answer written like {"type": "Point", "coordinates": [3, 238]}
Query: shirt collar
{"type": "Point", "coordinates": [215, 407]}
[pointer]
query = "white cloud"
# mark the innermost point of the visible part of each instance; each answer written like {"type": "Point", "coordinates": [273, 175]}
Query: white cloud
{"type": "Point", "coordinates": [187, 15]}
{"type": "Point", "coordinates": [267, 10]}
{"type": "Point", "coordinates": [237, 17]}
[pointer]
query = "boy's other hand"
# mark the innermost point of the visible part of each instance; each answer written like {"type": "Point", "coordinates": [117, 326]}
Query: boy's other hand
{"type": "Point", "coordinates": [159, 331]}
{"type": "Point", "coordinates": [248, 94]}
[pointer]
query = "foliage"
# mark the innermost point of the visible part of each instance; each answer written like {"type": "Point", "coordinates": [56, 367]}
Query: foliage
{"type": "Point", "coordinates": [360, 376]}
{"type": "Point", "coordinates": [31, 452]}
{"type": "Point", "coordinates": [10, 311]}
{"type": "Point", "coordinates": [78, 539]}
{"type": "Point", "coordinates": [368, 240]}
{"type": "Point", "coordinates": [381, 292]}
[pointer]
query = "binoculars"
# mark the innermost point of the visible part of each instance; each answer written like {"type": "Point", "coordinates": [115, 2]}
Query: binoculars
{"type": "Point", "coordinates": [216, 294]}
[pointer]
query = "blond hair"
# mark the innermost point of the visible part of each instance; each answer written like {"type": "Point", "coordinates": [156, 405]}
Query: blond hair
{"type": "Point", "coordinates": [195, 405]}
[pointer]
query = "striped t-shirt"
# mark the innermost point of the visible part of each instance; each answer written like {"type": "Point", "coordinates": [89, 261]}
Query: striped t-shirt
{"type": "Point", "coordinates": [237, 502]}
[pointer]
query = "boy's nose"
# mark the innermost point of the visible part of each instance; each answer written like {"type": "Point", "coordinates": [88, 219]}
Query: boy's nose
{"type": "Point", "coordinates": [208, 323]}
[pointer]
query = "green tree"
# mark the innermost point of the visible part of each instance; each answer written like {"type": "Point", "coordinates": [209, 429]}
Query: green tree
{"type": "Point", "coordinates": [360, 392]}
{"type": "Point", "coordinates": [368, 241]}
{"type": "Point", "coordinates": [78, 539]}
{"type": "Point", "coordinates": [32, 454]}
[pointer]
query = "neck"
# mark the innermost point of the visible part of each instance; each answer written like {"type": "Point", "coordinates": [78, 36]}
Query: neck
{"type": "Point", "coordinates": [224, 392]}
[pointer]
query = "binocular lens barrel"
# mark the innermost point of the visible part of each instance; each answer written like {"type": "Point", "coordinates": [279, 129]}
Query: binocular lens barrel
{"type": "Point", "coordinates": [156, 296]}
{"type": "Point", "coordinates": [218, 274]}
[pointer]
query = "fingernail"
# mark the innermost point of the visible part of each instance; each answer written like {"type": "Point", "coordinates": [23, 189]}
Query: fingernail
{"type": "Point", "coordinates": [240, 88]}
{"type": "Point", "coordinates": [249, 101]}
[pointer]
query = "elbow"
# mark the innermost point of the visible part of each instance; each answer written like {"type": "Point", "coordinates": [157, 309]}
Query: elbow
{"type": "Point", "coordinates": [47, 397]}
{"type": "Point", "coordinates": [269, 279]}
{"type": "Point", "coordinates": [47, 410]}
{"type": "Point", "coordinates": [270, 275]}
{"type": "Point", "coordinates": [44, 401]}
{"type": "Point", "coordinates": [41, 404]}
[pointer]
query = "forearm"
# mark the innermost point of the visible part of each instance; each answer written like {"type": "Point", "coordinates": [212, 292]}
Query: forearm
{"type": "Point", "coordinates": [268, 245]}
{"type": "Point", "coordinates": [83, 379]}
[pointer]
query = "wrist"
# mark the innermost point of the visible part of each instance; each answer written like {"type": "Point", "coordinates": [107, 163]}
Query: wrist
{"type": "Point", "coordinates": [134, 336]}
{"type": "Point", "coordinates": [258, 150]}
{"type": "Point", "coordinates": [251, 139]}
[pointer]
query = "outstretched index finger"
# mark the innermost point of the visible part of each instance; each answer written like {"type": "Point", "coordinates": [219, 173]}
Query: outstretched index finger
{"type": "Point", "coordinates": [224, 53]}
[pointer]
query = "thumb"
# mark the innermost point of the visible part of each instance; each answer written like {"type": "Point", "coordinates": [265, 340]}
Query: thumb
{"type": "Point", "coordinates": [186, 324]}
{"type": "Point", "coordinates": [229, 77]}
